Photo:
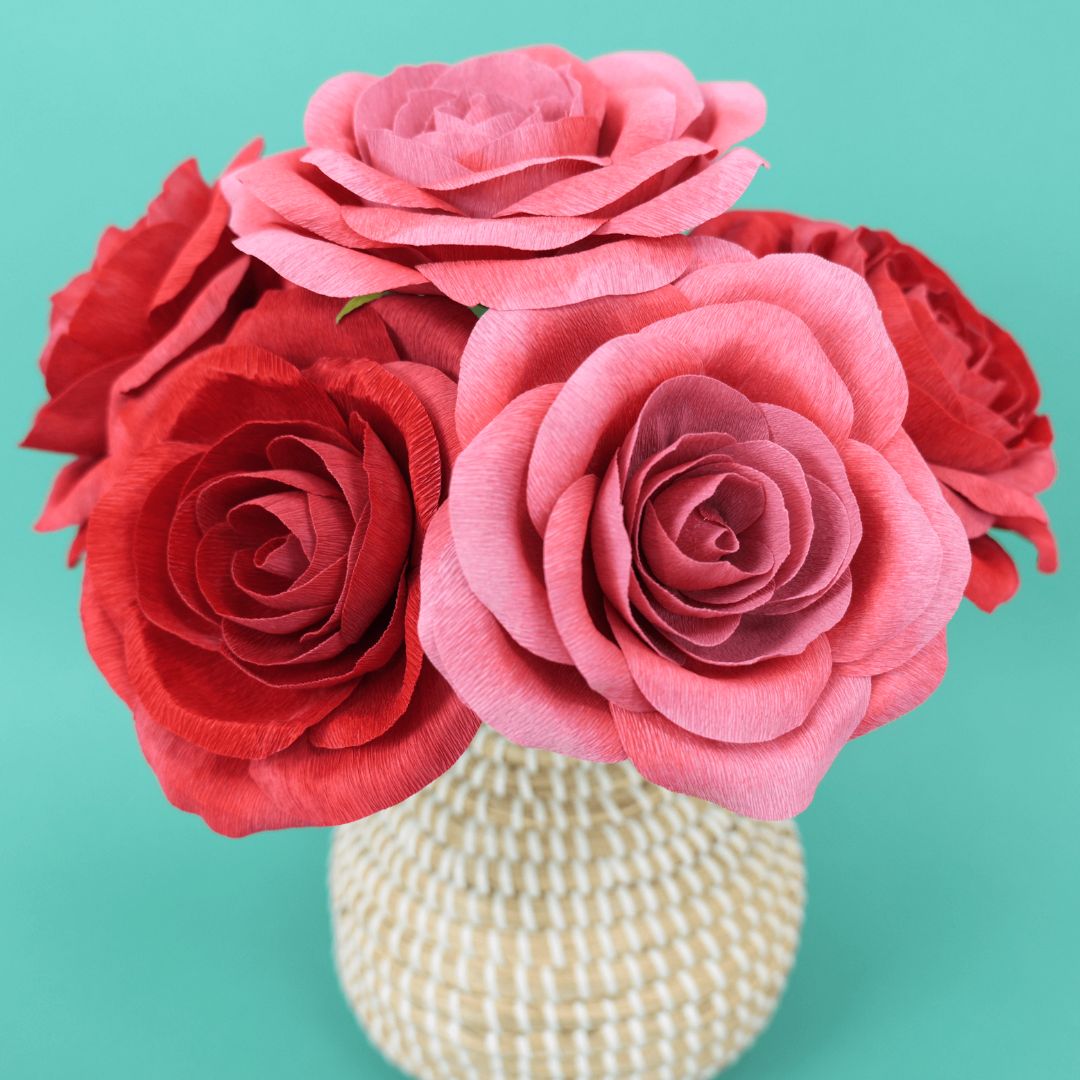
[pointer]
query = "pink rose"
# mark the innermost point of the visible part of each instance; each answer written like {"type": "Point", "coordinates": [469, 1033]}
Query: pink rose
{"type": "Point", "coordinates": [495, 180]}
{"type": "Point", "coordinates": [688, 528]}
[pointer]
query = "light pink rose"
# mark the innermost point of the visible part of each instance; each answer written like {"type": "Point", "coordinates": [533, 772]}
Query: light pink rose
{"type": "Point", "coordinates": [494, 180]}
{"type": "Point", "coordinates": [688, 528]}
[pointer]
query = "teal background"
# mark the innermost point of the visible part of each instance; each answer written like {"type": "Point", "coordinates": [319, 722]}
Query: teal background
{"type": "Point", "coordinates": [942, 934]}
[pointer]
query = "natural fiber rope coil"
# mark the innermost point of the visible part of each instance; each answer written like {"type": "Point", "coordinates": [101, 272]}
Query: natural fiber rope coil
{"type": "Point", "coordinates": [534, 916]}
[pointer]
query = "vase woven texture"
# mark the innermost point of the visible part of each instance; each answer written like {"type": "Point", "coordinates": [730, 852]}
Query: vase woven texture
{"type": "Point", "coordinates": [534, 916]}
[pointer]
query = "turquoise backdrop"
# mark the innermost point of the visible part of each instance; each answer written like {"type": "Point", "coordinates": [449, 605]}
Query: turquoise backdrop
{"type": "Point", "coordinates": [942, 935]}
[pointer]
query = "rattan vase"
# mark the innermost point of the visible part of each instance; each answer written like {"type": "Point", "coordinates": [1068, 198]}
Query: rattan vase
{"type": "Point", "coordinates": [535, 916]}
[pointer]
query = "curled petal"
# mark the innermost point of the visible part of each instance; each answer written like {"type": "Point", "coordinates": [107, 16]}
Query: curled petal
{"type": "Point", "coordinates": [769, 780]}
{"type": "Point", "coordinates": [733, 111]}
{"type": "Point", "coordinates": [285, 185]}
{"type": "Point", "coordinates": [325, 268]}
{"type": "Point", "coordinates": [590, 192]}
{"type": "Point", "coordinates": [906, 525]}
{"type": "Point", "coordinates": [372, 184]}
{"type": "Point", "coordinates": [613, 269]}
{"type": "Point", "coordinates": [906, 687]}
{"type": "Point", "coordinates": [691, 203]}
{"type": "Point", "coordinates": [417, 228]}
{"type": "Point", "coordinates": [328, 120]}
{"type": "Point", "coordinates": [208, 700]}
{"type": "Point", "coordinates": [994, 578]}
{"type": "Point", "coordinates": [656, 73]}
{"type": "Point", "coordinates": [749, 704]}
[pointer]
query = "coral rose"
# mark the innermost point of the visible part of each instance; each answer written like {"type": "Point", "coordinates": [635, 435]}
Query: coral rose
{"type": "Point", "coordinates": [170, 285]}
{"type": "Point", "coordinates": [688, 528]}
{"type": "Point", "coordinates": [494, 180]}
{"type": "Point", "coordinates": [252, 582]}
{"type": "Point", "coordinates": [972, 393]}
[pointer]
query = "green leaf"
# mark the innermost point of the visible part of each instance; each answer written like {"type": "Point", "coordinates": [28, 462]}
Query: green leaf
{"type": "Point", "coordinates": [478, 310]}
{"type": "Point", "coordinates": [357, 302]}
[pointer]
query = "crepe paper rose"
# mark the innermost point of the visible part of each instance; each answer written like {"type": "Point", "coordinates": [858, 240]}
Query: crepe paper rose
{"type": "Point", "coordinates": [688, 528]}
{"type": "Point", "coordinates": [252, 579]}
{"type": "Point", "coordinates": [171, 284]}
{"type": "Point", "coordinates": [972, 395]}
{"type": "Point", "coordinates": [495, 180]}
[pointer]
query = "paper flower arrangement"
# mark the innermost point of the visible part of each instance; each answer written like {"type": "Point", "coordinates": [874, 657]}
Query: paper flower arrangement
{"type": "Point", "coordinates": [481, 407]}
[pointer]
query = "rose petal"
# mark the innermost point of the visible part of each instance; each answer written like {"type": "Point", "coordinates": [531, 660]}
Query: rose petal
{"type": "Point", "coordinates": [849, 327]}
{"type": "Point", "coordinates": [750, 704]}
{"type": "Point", "coordinates": [207, 394]}
{"type": "Point", "coordinates": [879, 632]}
{"type": "Point", "coordinates": [429, 330]}
{"type": "Point", "coordinates": [769, 780]}
{"type": "Point", "coordinates": [398, 417]}
{"type": "Point", "coordinates": [899, 555]}
{"type": "Point", "coordinates": [994, 578]}
{"type": "Point", "coordinates": [622, 73]}
{"type": "Point", "coordinates": [1003, 494]}
{"type": "Point", "coordinates": [573, 603]}
{"type": "Point", "coordinates": [203, 311]}
{"type": "Point", "coordinates": [613, 269]}
{"type": "Point", "coordinates": [527, 699]}
{"type": "Point", "coordinates": [344, 168]}
{"type": "Point", "coordinates": [691, 202]}
{"type": "Point", "coordinates": [511, 352]}
{"type": "Point", "coordinates": [590, 192]}
{"type": "Point", "coordinates": [685, 404]}
{"type": "Point", "coordinates": [733, 111]}
{"type": "Point", "coordinates": [76, 490]}
{"type": "Point", "coordinates": [305, 785]}
{"type": "Point", "coordinates": [497, 548]}
{"type": "Point", "coordinates": [204, 239]}
{"type": "Point", "coordinates": [208, 700]}
{"type": "Point", "coordinates": [301, 327]}
{"type": "Point", "coordinates": [325, 268]}
{"type": "Point", "coordinates": [437, 393]}
{"type": "Point", "coordinates": [73, 420]}
{"type": "Point", "coordinates": [418, 228]}
{"type": "Point", "coordinates": [328, 120]}
{"type": "Point", "coordinates": [904, 688]}
{"type": "Point", "coordinates": [382, 696]}
{"type": "Point", "coordinates": [287, 186]}
{"type": "Point", "coordinates": [766, 353]}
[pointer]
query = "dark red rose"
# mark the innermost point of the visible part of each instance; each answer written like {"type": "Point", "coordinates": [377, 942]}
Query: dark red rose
{"type": "Point", "coordinates": [972, 395]}
{"type": "Point", "coordinates": [156, 293]}
{"type": "Point", "coordinates": [252, 578]}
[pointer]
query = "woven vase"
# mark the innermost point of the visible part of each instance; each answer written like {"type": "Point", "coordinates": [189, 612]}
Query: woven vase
{"type": "Point", "coordinates": [529, 915]}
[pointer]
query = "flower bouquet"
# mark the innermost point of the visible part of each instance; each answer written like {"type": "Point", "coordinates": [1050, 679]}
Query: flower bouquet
{"type": "Point", "coordinates": [474, 479]}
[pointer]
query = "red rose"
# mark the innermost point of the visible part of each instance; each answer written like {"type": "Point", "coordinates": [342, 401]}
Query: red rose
{"type": "Point", "coordinates": [252, 578]}
{"type": "Point", "coordinates": [170, 285]}
{"type": "Point", "coordinates": [972, 395]}
{"type": "Point", "coordinates": [495, 180]}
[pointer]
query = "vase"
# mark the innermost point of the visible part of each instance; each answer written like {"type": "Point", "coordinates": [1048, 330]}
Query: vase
{"type": "Point", "coordinates": [535, 916]}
